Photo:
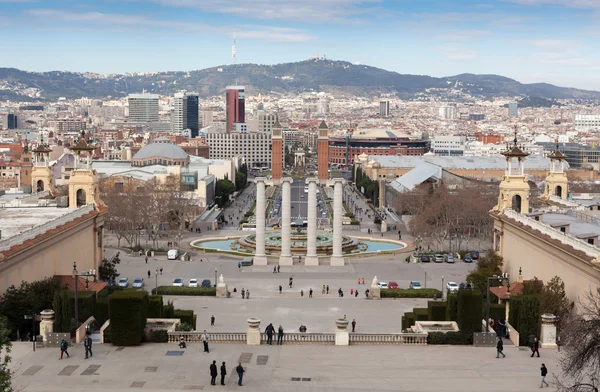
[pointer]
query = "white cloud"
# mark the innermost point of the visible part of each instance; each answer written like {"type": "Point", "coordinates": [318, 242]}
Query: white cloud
{"type": "Point", "coordinates": [136, 21]}
{"type": "Point", "coordinates": [457, 53]}
{"type": "Point", "coordinates": [554, 44]}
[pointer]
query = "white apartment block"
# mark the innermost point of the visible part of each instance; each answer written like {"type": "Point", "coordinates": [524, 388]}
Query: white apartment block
{"type": "Point", "coordinates": [448, 145]}
{"type": "Point", "coordinates": [266, 121]}
{"type": "Point", "coordinates": [447, 112]}
{"type": "Point", "coordinates": [67, 125]}
{"type": "Point", "coordinates": [143, 107]}
{"type": "Point", "coordinates": [255, 148]}
{"type": "Point", "coordinates": [291, 137]}
{"type": "Point", "coordinates": [586, 122]}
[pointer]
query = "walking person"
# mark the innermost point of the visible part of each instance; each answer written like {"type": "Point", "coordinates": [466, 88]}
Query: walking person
{"type": "Point", "coordinates": [353, 325]}
{"type": "Point", "coordinates": [87, 343]}
{"type": "Point", "coordinates": [291, 282]}
{"type": "Point", "coordinates": [323, 290]}
{"type": "Point", "coordinates": [355, 293]}
{"type": "Point", "coordinates": [269, 331]}
{"type": "Point", "coordinates": [243, 293]}
{"type": "Point", "coordinates": [310, 293]}
{"type": "Point", "coordinates": [148, 274]}
{"type": "Point", "coordinates": [302, 293]}
{"type": "Point", "coordinates": [64, 349]}
{"type": "Point", "coordinates": [223, 373]}
{"type": "Point", "coordinates": [146, 259]}
{"type": "Point", "coordinates": [205, 338]}
{"type": "Point", "coordinates": [280, 335]}
{"type": "Point", "coordinates": [239, 266]}
{"type": "Point", "coordinates": [240, 372]}
{"type": "Point", "coordinates": [213, 373]}
{"type": "Point", "coordinates": [544, 372]}
{"type": "Point", "coordinates": [535, 347]}
{"type": "Point", "coordinates": [161, 270]}
{"type": "Point", "coordinates": [247, 294]}
{"type": "Point", "coordinates": [279, 289]}
{"type": "Point", "coordinates": [212, 320]}
{"type": "Point", "coordinates": [327, 289]}
{"type": "Point", "coordinates": [278, 268]}
{"type": "Point", "coordinates": [500, 348]}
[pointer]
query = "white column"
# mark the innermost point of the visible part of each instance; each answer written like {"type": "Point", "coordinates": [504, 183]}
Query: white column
{"type": "Point", "coordinates": [311, 240]}
{"type": "Point", "coordinates": [286, 222]}
{"type": "Point", "coordinates": [337, 259]}
{"type": "Point", "coordinates": [260, 258]}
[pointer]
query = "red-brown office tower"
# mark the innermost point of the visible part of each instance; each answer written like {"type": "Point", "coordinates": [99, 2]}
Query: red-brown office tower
{"type": "Point", "coordinates": [235, 106]}
{"type": "Point", "coordinates": [323, 152]}
{"type": "Point", "coordinates": [277, 151]}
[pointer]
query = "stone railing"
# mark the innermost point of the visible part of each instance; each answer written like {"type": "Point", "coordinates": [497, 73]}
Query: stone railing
{"type": "Point", "coordinates": [302, 338]}
{"type": "Point", "coordinates": [553, 233]}
{"type": "Point", "coordinates": [565, 202]}
{"type": "Point", "coordinates": [388, 338]}
{"type": "Point", "coordinates": [513, 334]}
{"type": "Point", "coordinates": [41, 229]}
{"type": "Point", "coordinates": [215, 337]}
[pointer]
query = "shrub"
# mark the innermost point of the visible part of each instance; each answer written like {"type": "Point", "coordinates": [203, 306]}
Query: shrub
{"type": "Point", "coordinates": [421, 314]}
{"type": "Point", "coordinates": [107, 335]}
{"type": "Point", "coordinates": [63, 311]}
{"type": "Point", "coordinates": [159, 336]}
{"type": "Point", "coordinates": [453, 338]}
{"type": "Point", "coordinates": [410, 319]}
{"type": "Point", "coordinates": [498, 311]}
{"type": "Point", "coordinates": [184, 327]}
{"type": "Point", "coordinates": [86, 301]}
{"type": "Point", "coordinates": [101, 313]}
{"type": "Point", "coordinates": [408, 293]}
{"type": "Point", "coordinates": [514, 312]}
{"type": "Point", "coordinates": [194, 291]}
{"type": "Point", "coordinates": [155, 306]}
{"type": "Point", "coordinates": [469, 313]}
{"type": "Point", "coordinates": [186, 317]}
{"type": "Point", "coordinates": [128, 311]}
{"type": "Point", "coordinates": [436, 310]}
{"type": "Point", "coordinates": [529, 319]}
{"type": "Point", "coordinates": [168, 310]}
{"type": "Point", "coordinates": [451, 307]}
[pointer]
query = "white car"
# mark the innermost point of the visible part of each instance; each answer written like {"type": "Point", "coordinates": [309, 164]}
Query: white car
{"type": "Point", "coordinates": [382, 285]}
{"type": "Point", "coordinates": [452, 286]}
{"type": "Point", "coordinates": [193, 283]}
{"type": "Point", "coordinates": [172, 254]}
{"type": "Point", "coordinates": [138, 283]}
{"type": "Point", "coordinates": [178, 282]}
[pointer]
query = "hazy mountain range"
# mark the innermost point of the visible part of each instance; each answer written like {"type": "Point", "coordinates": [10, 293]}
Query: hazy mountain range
{"type": "Point", "coordinates": [337, 77]}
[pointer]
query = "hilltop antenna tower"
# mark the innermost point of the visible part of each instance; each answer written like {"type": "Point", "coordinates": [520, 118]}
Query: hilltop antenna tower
{"type": "Point", "coordinates": [233, 49]}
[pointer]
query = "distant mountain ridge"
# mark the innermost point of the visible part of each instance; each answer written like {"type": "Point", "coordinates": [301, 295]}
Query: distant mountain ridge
{"type": "Point", "coordinates": [337, 77]}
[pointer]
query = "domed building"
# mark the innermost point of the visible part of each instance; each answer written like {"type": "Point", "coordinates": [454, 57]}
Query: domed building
{"type": "Point", "coordinates": [161, 152]}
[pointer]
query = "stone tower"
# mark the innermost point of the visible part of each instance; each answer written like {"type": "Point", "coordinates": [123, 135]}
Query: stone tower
{"type": "Point", "coordinates": [323, 152]}
{"type": "Point", "coordinates": [277, 152]}
{"type": "Point", "coordinates": [26, 162]}
{"type": "Point", "coordinates": [556, 180]}
{"type": "Point", "coordinates": [83, 183]}
{"type": "Point", "coordinates": [514, 188]}
{"type": "Point", "coordinates": [42, 176]}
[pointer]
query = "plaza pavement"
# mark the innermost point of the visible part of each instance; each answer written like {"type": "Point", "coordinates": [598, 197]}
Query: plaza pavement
{"type": "Point", "coordinates": [329, 368]}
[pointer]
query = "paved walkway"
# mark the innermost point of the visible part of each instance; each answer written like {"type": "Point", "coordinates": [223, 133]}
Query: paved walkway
{"type": "Point", "coordinates": [317, 367]}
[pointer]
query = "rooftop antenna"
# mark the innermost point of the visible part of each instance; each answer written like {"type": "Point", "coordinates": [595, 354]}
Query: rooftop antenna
{"type": "Point", "coordinates": [233, 49]}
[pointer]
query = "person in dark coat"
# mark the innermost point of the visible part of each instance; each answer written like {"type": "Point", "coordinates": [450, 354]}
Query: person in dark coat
{"type": "Point", "coordinates": [87, 343]}
{"type": "Point", "coordinates": [240, 372]}
{"type": "Point", "coordinates": [280, 335]}
{"type": "Point", "coordinates": [269, 331]}
{"type": "Point", "coordinates": [535, 347]}
{"type": "Point", "coordinates": [500, 348]}
{"type": "Point", "coordinates": [544, 372]}
{"type": "Point", "coordinates": [223, 373]}
{"type": "Point", "coordinates": [353, 325]}
{"type": "Point", "coordinates": [213, 373]}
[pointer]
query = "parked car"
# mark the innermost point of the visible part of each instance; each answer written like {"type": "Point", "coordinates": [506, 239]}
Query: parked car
{"type": "Point", "coordinates": [138, 283]}
{"type": "Point", "coordinates": [172, 254]}
{"type": "Point", "coordinates": [178, 282]}
{"type": "Point", "coordinates": [415, 285]}
{"type": "Point", "coordinates": [468, 258]}
{"type": "Point", "coordinates": [452, 286]}
{"type": "Point", "coordinates": [465, 285]}
{"type": "Point", "coordinates": [449, 259]}
{"type": "Point", "coordinates": [438, 258]}
{"type": "Point", "coordinates": [393, 285]}
{"type": "Point", "coordinates": [193, 283]}
{"type": "Point", "coordinates": [205, 283]}
{"type": "Point", "coordinates": [475, 255]}
{"type": "Point", "coordinates": [425, 259]}
{"type": "Point", "coordinates": [382, 285]}
{"type": "Point", "coordinates": [123, 282]}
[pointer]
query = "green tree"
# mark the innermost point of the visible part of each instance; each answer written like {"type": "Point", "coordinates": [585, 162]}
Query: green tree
{"type": "Point", "coordinates": [224, 189]}
{"type": "Point", "coordinates": [554, 298]}
{"type": "Point", "coordinates": [487, 266]}
{"type": "Point", "coordinates": [5, 349]}
{"type": "Point", "coordinates": [240, 181]}
{"type": "Point", "coordinates": [107, 271]}
{"type": "Point", "coordinates": [533, 287]}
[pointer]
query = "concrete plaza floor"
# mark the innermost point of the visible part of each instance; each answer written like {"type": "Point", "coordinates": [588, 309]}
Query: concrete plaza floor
{"type": "Point", "coordinates": [318, 367]}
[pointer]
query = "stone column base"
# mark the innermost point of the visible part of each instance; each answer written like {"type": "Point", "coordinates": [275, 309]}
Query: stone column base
{"type": "Point", "coordinates": [286, 260]}
{"type": "Point", "coordinates": [342, 338]}
{"type": "Point", "coordinates": [253, 337]}
{"type": "Point", "coordinates": [222, 291]}
{"type": "Point", "coordinates": [311, 260]}
{"type": "Point", "coordinates": [260, 260]}
{"type": "Point", "coordinates": [375, 292]}
{"type": "Point", "coordinates": [337, 261]}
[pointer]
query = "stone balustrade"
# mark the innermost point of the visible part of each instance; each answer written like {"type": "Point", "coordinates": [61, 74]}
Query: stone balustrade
{"type": "Point", "coordinates": [388, 338]}
{"type": "Point", "coordinates": [215, 337]}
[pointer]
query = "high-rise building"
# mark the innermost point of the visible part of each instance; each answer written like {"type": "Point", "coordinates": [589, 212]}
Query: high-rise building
{"type": "Point", "coordinates": [235, 106]}
{"type": "Point", "coordinates": [207, 117]}
{"type": "Point", "coordinates": [448, 112]}
{"type": "Point", "coordinates": [587, 122]}
{"type": "Point", "coordinates": [513, 109]}
{"type": "Point", "coordinates": [266, 121]}
{"type": "Point", "coordinates": [143, 107]}
{"type": "Point", "coordinates": [185, 113]}
{"type": "Point", "coordinates": [384, 109]}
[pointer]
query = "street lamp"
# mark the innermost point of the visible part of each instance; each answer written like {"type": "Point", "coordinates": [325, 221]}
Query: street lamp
{"type": "Point", "coordinates": [156, 283]}
{"type": "Point", "coordinates": [76, 275]}
{"type": "Point", "coordinates": [425, 278]}
{"type": "Point", "coordinates": [443, 291]}
{"type": "Point", "coordinates": [487, 309]}
{"type": "Point", "coordinates": [33, 317]}
{"type": "Point", "coordinates": [215, 277]}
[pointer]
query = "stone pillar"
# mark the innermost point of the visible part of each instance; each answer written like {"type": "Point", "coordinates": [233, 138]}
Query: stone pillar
{"type": "Point", "coordinates": [260, 258]}
{"type": "Point", "coordinates": [253, 335]}
{"type": "Point", "coordinates": [221, 288]}
{"type": "Point", "coordinates": [548, 338]}
{"type": "Point", "coordinates": [381, 194]}
{"type": "Point", "coordinates": [47, 324]}
{"type": "Point", "coordinates": [374, 290]}
{"type": "Point", "coordinates": [311, 239]}
{"type": "Point", "coordinates": [337, 259]}
{"type": "Point", "coordinates": [342, 337]}
{"type": "Point", "coordinates": [286, 222]}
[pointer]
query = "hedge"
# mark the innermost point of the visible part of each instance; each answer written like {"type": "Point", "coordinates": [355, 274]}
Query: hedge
{"type": "Point", "coordinates": [101, 313]}
{"type": "Point", "coordinates": [514, 312]}
{"type": "Point", "coordinates": [128, 311]}
{"type": "Point", "coordinates": [410, 293]}
{"type": "Point", "coordinates": [452, 307]}
{"type": "Point", "coordinates": [155, 306]}
{"type": "Point", "coordinates": [470, 312]}
{"type": "Point", "coordinates": [193, 291]}
{"type": "Point", "coordinates": [454, 338]}
{"type": "Point", "coordinates": [63, 312]}
{"type": "Point", "coordinates": [497, 311]}
{"type": "Point", "coordinates": [107, 335]}
{"type": "Point", "coordinates": [186, 316]}
{"type": "Point", "coordinates": [421, 314]}
{"type": "Point", "coordinates": [159, 336]}
{"type": "Point", "coordinates": [529, 319]}
{"type": "Point", "coordinates": [410, 319]}
{"type": "Point", "coordinates": [168, 310]}
{"type": "Point", "coordinates": [436, 310]}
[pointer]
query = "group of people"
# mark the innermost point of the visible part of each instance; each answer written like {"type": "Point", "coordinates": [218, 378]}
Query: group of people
{"type": "Point", "coordinates": [270, 331]}
{"type": "Point", "coordinates": [87, 345]}
{"type": "Point", "coordinates": [535, 347]}
{"type": "Point", "coordinates": [214, 373]}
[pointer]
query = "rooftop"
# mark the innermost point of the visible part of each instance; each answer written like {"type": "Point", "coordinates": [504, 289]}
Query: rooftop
{"type": "Point", "coordinates": [450, 162]}
{"type": "Point", "coordinates": [14, 221]}
{"type": "Point", "coordinates": [165, 150]}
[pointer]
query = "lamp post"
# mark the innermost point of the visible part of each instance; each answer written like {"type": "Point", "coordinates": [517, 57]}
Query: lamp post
{"type": "Point", "coordinates": [425, 278]}
{"type": "Point", "coordinates": [156, 282]}
{"type": "Point", "coordinates": [76, 275]}
{"type": "Point", "coordinates": [33, 317]}
{"type": "Point", "coordinates": [215, 277]}
{"type": "Point", "coordinates": [487, 308]}
{"type": "Point", "coordinates": [443, 291]}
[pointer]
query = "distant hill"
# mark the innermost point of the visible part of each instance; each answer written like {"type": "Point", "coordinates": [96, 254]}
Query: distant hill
{"type": "Point", "coordinates": [338, 77]}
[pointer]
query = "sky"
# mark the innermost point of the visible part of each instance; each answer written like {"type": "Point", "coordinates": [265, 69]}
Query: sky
{"type": "Point", "coordinates": [553, 41]}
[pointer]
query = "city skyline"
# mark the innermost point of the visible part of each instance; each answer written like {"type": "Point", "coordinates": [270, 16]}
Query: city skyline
{"type": "Point", "coordinates": [528, 40]}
